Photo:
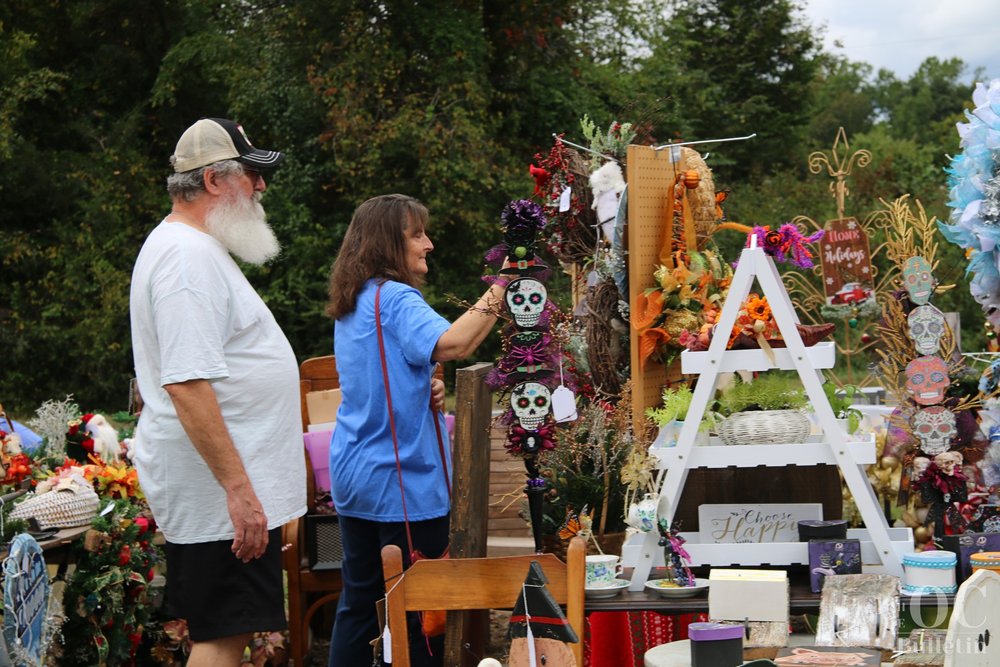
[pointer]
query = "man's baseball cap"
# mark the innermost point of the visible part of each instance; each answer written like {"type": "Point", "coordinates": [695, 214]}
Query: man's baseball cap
{"type": "Point", "coordinates": [211, 140]}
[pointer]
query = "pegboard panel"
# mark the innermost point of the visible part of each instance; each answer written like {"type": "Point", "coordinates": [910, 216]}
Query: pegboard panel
{"type": "Point", "coordinates": [650, 175]}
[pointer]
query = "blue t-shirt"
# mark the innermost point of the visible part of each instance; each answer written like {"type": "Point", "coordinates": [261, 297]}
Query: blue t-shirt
{"type": "Point", "coordinates": [362, 462]}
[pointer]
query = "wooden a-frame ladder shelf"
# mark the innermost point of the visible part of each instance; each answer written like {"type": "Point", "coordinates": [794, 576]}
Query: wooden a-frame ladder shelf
{"type": "Point", "coordinates": [879, 543]}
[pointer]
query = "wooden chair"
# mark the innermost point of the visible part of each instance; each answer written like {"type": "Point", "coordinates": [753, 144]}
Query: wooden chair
{"type": "Point", "coordinates": [316, 374]}
{"type": "Point", "coordinates": [477, 583]}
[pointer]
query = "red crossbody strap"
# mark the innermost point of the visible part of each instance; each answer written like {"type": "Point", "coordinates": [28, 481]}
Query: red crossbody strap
{"type": "Point", "coordinates": [392, 420]}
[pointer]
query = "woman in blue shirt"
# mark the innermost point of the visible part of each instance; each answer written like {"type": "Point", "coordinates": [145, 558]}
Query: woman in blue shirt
{"type": "Point", "coordinates": [385, 252]}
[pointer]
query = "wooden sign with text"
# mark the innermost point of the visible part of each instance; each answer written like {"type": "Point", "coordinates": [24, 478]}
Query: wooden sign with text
{"type": "Point", "coordinates": [847, 265]}
{"type": "Point", "coordinates": [757, 524]}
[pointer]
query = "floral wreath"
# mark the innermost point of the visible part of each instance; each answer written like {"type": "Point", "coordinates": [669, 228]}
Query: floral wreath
{"type": "Point", "coordinates": [974, 189]}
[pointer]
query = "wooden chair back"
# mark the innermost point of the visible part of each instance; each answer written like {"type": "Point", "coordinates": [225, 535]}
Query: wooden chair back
{"type": "Point", "coordinates": [316, 374]}
{"type": "Point", "coordinates": [477, 583]}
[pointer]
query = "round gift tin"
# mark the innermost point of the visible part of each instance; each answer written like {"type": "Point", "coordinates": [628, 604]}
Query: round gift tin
{"type": "Point", "coordinates": [716, 644]}
{"type": "Point", "coordinates": [814, 529]}
{"type": "Point", "coordinates": [985, 560]}
{"type": "Point", "coordinates": [929, 572]}
{"type": "Point", "coordinates": [701, 632]}
{"type": "Point", "coordinates": [932, 559]}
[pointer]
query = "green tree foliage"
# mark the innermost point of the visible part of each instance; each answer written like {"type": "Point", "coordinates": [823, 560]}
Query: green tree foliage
{"type": "Point", "coordinates": [733, 68]}
{"type": "Point", "coordinates": [447, 101]}
{"type": "Point", "coordinates": [841, 95]}
{"type": "Point", "coordinates": [365, 98]}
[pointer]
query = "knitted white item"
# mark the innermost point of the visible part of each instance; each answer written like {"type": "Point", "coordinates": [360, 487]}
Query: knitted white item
{"type": "Point", "coordinates": [66, 508]}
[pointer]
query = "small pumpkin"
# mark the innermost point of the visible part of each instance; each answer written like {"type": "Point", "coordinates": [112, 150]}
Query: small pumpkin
{"type": "Point", "coordinates": [691, 179]}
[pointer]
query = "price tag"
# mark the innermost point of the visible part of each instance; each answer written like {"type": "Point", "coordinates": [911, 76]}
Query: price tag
{"type": "Point", "coordinates": [563, 404]}
{"type": "Point", "coordinates": [564, 199]}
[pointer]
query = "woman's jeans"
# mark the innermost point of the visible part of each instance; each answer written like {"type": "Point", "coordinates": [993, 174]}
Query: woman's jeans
{"type": "Point", "coordinates": [356, 624]}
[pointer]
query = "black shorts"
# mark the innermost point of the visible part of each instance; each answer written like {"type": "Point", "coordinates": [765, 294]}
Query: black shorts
{"type": "Point", "coordinates": [221, 596]}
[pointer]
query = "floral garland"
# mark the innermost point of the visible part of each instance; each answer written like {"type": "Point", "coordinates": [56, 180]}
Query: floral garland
{"type": "Point", "coordinates": [567, 234]}
{"type": "Point", "coordinates": [106, 600]}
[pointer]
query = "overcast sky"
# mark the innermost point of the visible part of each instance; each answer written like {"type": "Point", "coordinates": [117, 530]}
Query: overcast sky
{"type": "Point", "coordinates": [900, 34]}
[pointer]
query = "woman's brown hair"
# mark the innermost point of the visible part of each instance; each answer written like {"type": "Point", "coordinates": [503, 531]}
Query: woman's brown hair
{"type": "Point", "coordinates": [375, 247]}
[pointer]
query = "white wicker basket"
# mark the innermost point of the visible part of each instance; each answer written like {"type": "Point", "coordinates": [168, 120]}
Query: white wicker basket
{"type": "Point", "coordinates": [765, 427]}
{"type": "Point", "coordinates": [65, 508]}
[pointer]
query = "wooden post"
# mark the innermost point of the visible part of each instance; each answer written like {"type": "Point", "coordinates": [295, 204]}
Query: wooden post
{"type": "Point", "coordinates": [469, 503]}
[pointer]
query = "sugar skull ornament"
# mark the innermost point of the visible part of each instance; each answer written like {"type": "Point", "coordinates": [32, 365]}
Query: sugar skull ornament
{"type": "Point", "coordinates": [926, 325]}
{"type": "Point", "coordinates": [927, 379]}
{"type": "Point", "coordinates": [918, 280]}
{"type": "Point", "coordinates": [531, 402]}
{"type": "Point", "coordinates": [525, 299]}
{"type": "Point", "coordinates": [934, 427]}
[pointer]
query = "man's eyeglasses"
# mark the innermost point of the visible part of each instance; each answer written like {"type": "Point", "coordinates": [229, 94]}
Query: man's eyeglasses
{"type": "Point", "coordinates": [253, 175]}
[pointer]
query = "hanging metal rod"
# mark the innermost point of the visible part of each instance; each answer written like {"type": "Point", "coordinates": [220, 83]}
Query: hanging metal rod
{"type": "Point", "coordinates": [583, 148]}
{"type": "Point", "coordinates": [705, 141]}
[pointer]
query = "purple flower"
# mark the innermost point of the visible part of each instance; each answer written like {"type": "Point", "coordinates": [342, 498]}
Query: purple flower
{"type": "Point", "coordinates": [523, 215]}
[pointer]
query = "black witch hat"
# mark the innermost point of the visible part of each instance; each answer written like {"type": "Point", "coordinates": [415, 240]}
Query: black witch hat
{"type": "Point", "coordinates": [537, 606]}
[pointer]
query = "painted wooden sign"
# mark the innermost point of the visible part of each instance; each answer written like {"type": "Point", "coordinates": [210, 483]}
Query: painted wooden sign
{"type": "Point", "coordinates": [847, 266]}
{"type": "Point", "coordinates": [744, 523]}
{"type": "Point", "coordinates": [26, 601]}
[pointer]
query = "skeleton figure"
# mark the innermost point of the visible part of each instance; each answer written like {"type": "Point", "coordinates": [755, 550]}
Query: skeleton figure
{"type": "Point", "coordinates": [531, 402]}
{"type": "Point", "coordinates": [948, 461]}
{"type": "Point", "coordinates": [918, 280]}
{"type": "Point", "coordinates": [920, 465]}
{"type": "Point", "coordinates": [934, 426]}
{"type": "Point", "coordinates": [927, 379]}
{"type": "Point", "coordinates": [525, 299]}
{"type": "Point", "coordinates": [926, 325]}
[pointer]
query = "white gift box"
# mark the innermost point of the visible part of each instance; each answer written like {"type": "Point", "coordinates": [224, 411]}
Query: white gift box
{"type": "Point", "coordinates": [755, 595]}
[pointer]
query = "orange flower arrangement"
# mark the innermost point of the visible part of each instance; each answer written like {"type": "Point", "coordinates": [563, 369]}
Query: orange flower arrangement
{"type": "Point", "coordinates": [680, 310]}
{"type": "Point", "coordinates": [116, 480]}
{"type": "Point", "coordinates": [754, 322]}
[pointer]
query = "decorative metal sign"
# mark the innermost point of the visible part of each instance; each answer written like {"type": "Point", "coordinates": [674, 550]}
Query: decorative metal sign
{"type": "Point", "coordinates": [26, 601]}
{"type": "Point", "coordinates": [847, 264]}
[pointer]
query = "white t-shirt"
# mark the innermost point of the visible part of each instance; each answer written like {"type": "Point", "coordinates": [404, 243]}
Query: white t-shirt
{"type": "Point", "coordinates": [195, 316]}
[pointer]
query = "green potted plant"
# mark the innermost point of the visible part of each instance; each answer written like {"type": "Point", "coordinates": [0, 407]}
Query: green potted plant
{"type": "Point", "coordinates": [843, 405]}
{"type": "Point", "coordinates": [767, 410]}
{"type": "Point", "coordinates": [669, 417]}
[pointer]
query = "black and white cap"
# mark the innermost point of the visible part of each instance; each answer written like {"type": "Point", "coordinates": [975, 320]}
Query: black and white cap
{"type": "Point", "coordinates": [211, 140]}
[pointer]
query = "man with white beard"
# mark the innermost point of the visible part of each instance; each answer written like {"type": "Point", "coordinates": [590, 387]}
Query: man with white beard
{"type": "Point", "coordinates": [218, 446]}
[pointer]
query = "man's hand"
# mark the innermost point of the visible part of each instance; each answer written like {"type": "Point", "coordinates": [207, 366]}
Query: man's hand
{"type": "Point", "coordinates": [437, 394]}
{"type": "Point", "coordinates": [249, 522]}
